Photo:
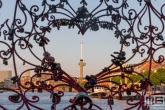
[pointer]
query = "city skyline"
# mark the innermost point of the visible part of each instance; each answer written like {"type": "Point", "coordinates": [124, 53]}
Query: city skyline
{"type": "Point", "coordinates": [64, 46]}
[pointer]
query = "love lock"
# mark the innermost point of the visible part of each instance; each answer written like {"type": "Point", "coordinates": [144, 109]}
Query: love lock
{"type": "Point", "coordinates": [39, 90]}
{"type": "Point", "coordinates": [91, 79]}
{"type": "Point", "coordinates": [14, 97]}
{"type": "Point", "coordinates": [110, 101]}
{"type": "Point", "coordinates": [81, 99]}
{"type": "Point", "coordinates": [128, 92]}
{"type": "Point", "coordinates": [56, 99]}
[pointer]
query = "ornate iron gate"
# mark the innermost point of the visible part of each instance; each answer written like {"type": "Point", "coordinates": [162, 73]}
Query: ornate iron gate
{"type": "Point", "coordinates": [148, 42]}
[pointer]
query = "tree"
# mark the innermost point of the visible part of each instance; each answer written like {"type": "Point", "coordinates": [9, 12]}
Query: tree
{"type": "Point", "coordinates": [1, 84]}
{"type": "Point", "coordinates": [135, 77]}
{"type": "Point", "coordinates": [145, 73]}
{"type": "Point", "coordinates": [155, 79]}
{"type": "Point", "coordinates": [117, 79]}
{"type": "Point", "coordinates": [161, 74]}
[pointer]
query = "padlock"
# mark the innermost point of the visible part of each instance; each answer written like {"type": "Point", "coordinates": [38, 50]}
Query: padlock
{"type": "Point", "coordinates": [15, 97]}
{"type": "Point", "coordinates": [110, 101]}
{"type": "Point", "coordinates": [40, 90]}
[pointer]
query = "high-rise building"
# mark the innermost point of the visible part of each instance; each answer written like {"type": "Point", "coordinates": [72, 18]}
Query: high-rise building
{"type": "Point", "coordinates": [5, 74]}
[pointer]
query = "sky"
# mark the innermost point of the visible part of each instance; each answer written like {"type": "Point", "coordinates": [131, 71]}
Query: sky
{"type": "Point", "coordinates": [64, 44]}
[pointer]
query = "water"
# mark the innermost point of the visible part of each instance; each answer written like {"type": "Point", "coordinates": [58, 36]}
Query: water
{"type": "Point", "coordinates": [45, 102]}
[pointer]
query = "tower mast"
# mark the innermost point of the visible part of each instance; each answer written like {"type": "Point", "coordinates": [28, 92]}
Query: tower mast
{"type": "Point", "coordinates": [81, 63]}
{"type": "Point", "coordinates": [81, 49]}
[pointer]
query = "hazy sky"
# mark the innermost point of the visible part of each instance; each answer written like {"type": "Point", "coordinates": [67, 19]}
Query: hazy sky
{"type": "Point", "coordinates": [65, 43]}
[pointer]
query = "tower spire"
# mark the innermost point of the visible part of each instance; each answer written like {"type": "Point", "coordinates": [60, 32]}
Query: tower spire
{"type": "Point", "coordinates": [81, 63]}
{"type": "Point", "coordinates": [81, 50]}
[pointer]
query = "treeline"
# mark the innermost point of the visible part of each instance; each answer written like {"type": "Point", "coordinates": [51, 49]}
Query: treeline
{"type": "Point", "coordinates": [156, 78]}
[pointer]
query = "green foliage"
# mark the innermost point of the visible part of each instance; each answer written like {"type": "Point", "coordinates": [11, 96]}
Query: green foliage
{"type": "Point", "coordinates": [135, 78]}
{"type": "Point", "coordinates": [117, 79]}
{"type": "Point", "coordinates": [1, 84]}
{"type": "Point", "coordinates": [107, 79]}
{"type": "Point", "coordinates": [161, 74]}
{"type": "Point", "coordinates": [145, 73]}
{"type": "Point", "coordinates": [82, 84]}
{"type": "Point", "coordinates": [155, 79]}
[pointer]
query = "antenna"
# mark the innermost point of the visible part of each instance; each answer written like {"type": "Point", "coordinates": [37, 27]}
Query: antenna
{"type": "Point", "coordinates": [81, 63]}
{"type": "Point", "coordinates": [81, 49]}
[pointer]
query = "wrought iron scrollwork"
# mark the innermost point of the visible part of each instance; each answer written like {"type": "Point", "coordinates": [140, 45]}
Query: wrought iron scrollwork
{"type": "Point", "coordinates": [148, 41]}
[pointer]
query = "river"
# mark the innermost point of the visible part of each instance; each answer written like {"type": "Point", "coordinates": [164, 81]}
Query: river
{"type": "Point", "coordinates": [45, 101]}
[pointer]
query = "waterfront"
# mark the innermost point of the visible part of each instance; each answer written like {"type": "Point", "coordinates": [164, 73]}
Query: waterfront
{"type": "Point", "coordinates": [45, 101]}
